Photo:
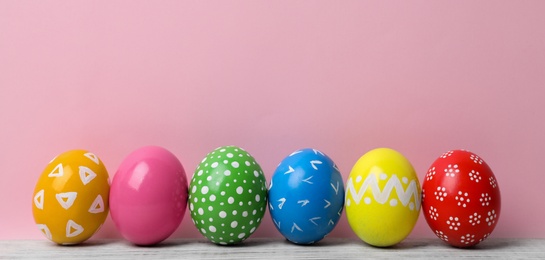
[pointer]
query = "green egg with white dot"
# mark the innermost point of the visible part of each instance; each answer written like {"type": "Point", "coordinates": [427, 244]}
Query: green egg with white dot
{"type": "Point", "coordinates": [227, 196]}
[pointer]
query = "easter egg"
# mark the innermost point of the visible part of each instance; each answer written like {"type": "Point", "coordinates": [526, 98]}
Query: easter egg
{"type": "Point", "coordinates": [227, 196]}
{"type": "Point", "coordinates": [306, 196]}
{"type": "Point", "coordinates": [70, 201]}
{"type": "Point", "coordinates": [149, 195]}
{"type": "Point", "coordinates": [382, 197]}
{"type": "Point", "coordinates": [461, 198]}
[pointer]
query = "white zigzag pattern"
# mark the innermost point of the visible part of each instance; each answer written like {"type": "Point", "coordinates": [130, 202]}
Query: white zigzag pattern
{"type": "Point", "coordinates": [382, 196]}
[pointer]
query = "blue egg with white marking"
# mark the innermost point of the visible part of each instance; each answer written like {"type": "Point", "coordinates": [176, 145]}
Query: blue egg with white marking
{"type": "Point", "coordinates": [306, 196]}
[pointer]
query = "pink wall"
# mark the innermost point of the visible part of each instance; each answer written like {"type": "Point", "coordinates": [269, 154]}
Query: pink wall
{"type": "Point", "coordinates": [272, 77]}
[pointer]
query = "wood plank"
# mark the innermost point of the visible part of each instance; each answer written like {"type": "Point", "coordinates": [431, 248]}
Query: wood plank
{"type": "Point", "coordinates": [330, 248]}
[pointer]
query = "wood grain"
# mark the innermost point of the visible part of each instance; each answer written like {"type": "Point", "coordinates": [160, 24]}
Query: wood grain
{"type": "Point", "coordinates": [330, 248]}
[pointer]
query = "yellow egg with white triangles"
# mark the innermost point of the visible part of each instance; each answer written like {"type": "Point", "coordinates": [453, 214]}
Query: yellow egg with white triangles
{"type": "Point", "coordinates": [383, 197]}
{"type": "Point", "coordinates": [70, 201]}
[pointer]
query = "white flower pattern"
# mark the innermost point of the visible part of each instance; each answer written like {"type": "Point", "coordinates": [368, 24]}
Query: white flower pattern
{"type": "Point", "coordinates": [476, 159]}
{"type": "Point", "coordinates": [491, 219]}
{"type": "Point", "coordinates": [433, 213]}
{"type": "Point", "coordinates": [468, 238]}
{"type": "Point", "coordinates": [447, 154]}
{"type": "Point", "coordinates": [454, 223]}
{"type": "Point", "coordinates": [441, 235]}
{"type": "Point", "coordinates": [452, 170]}
{"type": "Point", "coordinates": [430, 174]}
{"type": "Point", "coordinates": [462, 198]}
{"type": "Point", "coordinates": [485, 199]}
{"type": "Point", "coordinates": [475, 176]}
{"type": "Point", "coordinates": [475, 219]}
{"type": "Point", "coordinates": [440, 193]}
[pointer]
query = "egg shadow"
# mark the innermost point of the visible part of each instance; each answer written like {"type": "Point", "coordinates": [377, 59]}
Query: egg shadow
{"type": "Point", "coordinates": [88, 243]}
{"type": "Point", "coordinates": [164, 244]}
{"type": "Point", "coordinates": [247, 243]}
{"type": "Point", "coordinates": [410, 244]}
{"type": "Point", "coordinates": [407, 244]}
{"type": "Point", "coordinates": [495, 244]}
{"type": "Point", "coordinates": [324, 242]}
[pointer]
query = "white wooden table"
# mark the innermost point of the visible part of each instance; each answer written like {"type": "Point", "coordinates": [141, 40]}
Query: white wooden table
{"type": "Point", "coordinates": [329, 248]}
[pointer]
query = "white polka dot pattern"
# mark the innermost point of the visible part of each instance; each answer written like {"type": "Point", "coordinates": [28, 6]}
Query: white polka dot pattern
{"type": "Point", "coordinates": [227, 196]}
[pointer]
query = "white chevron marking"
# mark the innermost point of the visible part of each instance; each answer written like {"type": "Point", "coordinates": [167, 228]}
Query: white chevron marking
{"type": "Point", "coordinates": [328, 204]}
{"type": "Point", "coordinates": [296, 152]}
{"type": "Point", "coordinates": [282, 201]}
{"type": "Point", "coordinates": [331, 222]}
{"type": "Point", "coordinates": [317, 152]}
{"type": "Point", "coordinates": [336, 189]}
{"type": "Point", "coordinates": [303, 202]}
{"type": "Point", "coordinates": [290, 170]}
{"type": "Point", "coordinates": [276, 223]}
{"type": "Point", "coordinates": [307, 180]}
{"type": "Point", "coordinates": [313, 219]}
{"type": "Point", "coordinates": [314, 162]}
{"type": "Point", "coordinates": [295, 227]}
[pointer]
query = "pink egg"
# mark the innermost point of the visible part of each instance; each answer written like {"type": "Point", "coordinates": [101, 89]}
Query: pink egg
{"type": "Point", "coordinates": [148, 195]}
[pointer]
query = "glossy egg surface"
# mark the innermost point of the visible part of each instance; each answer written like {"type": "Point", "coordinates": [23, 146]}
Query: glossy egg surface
{"type": "Point", "coordinates": [70, 201]}
{"type": "Point", "coordinates": [383, 197]}
{"type": "Point", "coordinates": [149, 195]}
{"type": "Point", "coordinates": [461, 198]}
{"type": "Point", "coordinates": [228, 195]}
{"type": "Point", "coordinates": [306, 196]}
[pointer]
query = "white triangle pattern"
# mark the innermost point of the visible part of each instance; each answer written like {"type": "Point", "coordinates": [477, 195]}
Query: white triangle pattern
{"type": "Point", "coordinates": [66, 199]}
{"type": "Point", "coordinates": [73, 225]}
{"type": "Point", "coordinates": [45, 230]}
{"type": "Point", "coordinates": [92, 156]}
{"type": "Point", "coordinates": [58, 171]}
{"type": "Point", "coordinates": [97, 206]}
{"type": "Point", "coordinates": [86, 175]}
{"type": "Point", "coordinates": [39, 199]}
{"type": "Point", "coordinates": [53, 159]}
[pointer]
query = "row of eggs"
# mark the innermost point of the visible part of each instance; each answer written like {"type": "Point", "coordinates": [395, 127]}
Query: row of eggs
{"type": "Point", "coordinates": [228, 197]}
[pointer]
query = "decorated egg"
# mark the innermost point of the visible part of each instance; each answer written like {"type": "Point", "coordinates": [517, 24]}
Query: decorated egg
{"type": "Point", "coordinates": [382, 197]}
{"type": "Point", "coordinates": [227, 196]}
{"type": "Point", "coordinates": [149, 195]}
{"type": "Point", "coordinates": [71, 197]}
{"type": "Point", "coordinates": [461, 198]}
{"type": "Point", "coordinates": [306, 196]}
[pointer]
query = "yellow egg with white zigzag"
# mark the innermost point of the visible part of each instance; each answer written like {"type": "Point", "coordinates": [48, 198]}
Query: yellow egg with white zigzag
{"type": "Point", "coordinates": [383, 197]}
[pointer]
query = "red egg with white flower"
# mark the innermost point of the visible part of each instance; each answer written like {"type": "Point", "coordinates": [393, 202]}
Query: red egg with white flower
{"type": "Point", "coordinates": [461, 198]}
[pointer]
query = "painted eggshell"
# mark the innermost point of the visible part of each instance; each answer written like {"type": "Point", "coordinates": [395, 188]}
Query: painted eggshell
{"type": "Point", "coordinates": [461, 198]}
{"type": "Point", "coordinates": [228, 195]}
{"type": "Point", "coordinates": [306, 196]}
{"type": "Point", "coordinates": [382, 197]}
{"type": "Point", "coordinates": [70, 201]}
{"type": "Point", "coordinates": [149, 195]}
